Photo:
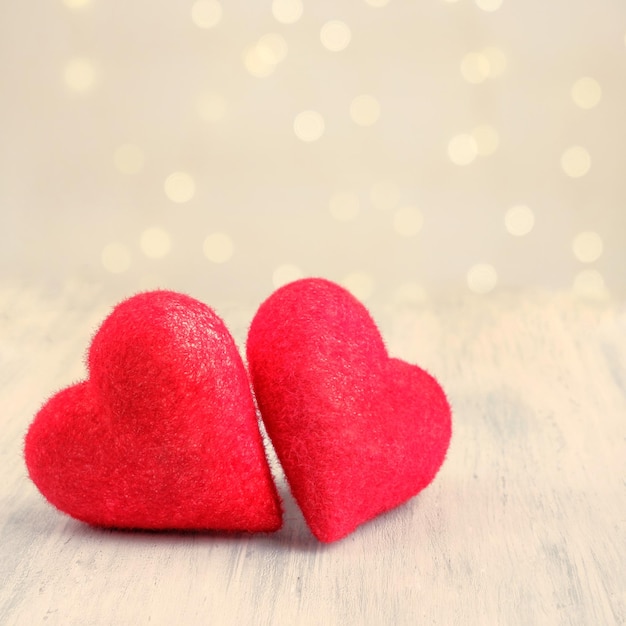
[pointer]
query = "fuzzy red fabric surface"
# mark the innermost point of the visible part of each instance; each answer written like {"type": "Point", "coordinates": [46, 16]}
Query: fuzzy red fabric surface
{"type": "Point", "coordinates": [357, 432]}
{"type": "Point", "coordinates": [163, 434]}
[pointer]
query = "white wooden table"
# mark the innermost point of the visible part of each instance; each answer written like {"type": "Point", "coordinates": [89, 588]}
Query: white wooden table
{"type": "Point", "coordinates": [525, 524]}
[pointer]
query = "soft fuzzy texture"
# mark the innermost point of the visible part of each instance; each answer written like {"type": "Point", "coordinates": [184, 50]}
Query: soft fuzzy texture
{"type": "Point", "coordinates": [163, 434]}
{"type": "Point", "coordinates": [357, 432]}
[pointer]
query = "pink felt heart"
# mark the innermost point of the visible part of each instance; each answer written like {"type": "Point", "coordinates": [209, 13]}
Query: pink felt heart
{"type": "Point", "coordinates": [163, 434]}
{"type": "Point", "coordinates": [357, 432]}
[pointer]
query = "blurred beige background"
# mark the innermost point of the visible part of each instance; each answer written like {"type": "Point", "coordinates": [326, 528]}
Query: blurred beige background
{"type": "Point", "coordinates": [459, 165]}
{"type": "Point", "coordinates": [402, 148]}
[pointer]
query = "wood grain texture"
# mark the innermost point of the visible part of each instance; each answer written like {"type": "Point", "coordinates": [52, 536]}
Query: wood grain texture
{"type": "Point", "coordinates": [525, 524]}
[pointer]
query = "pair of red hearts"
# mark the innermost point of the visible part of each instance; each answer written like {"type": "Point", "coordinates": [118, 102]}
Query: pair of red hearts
{"type": "Point", "coordinates": [164, 433]}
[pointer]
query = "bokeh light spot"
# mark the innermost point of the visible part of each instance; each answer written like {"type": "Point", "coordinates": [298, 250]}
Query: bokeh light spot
{"type": "Point", "coordinates": [586, 92]}
{"type": "Point", "coordinates": [76, 4]}
{"type": "Point", "coordinates": [128, 159]}
{"type": "Point", "coordinates": [285, 274]}
{"type": "Point", "coordinates": [365, 110]}
{"type": "Point", "coordinates": [497, 61]}
{"type": "Point", "coordinates": [475, 67]}
{"type": "Point", "coordinates": [80, 75]}
{"type": "Point", "coordinates": [519, 220]}
{"type": "Point", "coordinates": [180, 187]}
{"type": "Point", "coordinates": [272, 48]}
{"type": "Point", "coordinates": [575, 162]}
{"type": "Point", "coordinates": [482, 278]}
{"type": "Point", "coordinates": [590, 284]}
{"type": "Point", "coordinates": [211, 107]}
{"type": "Point", "coordinates": [587, 246]}
{"type": "Point", "coordinates": [206, 13]}
{"type": "Point", "coordinates": [262, 58]}
{"type": "Point", "coordinates": [287, 11]}
{"type": "Point", "coordinates": [155, 242]}
{"type": "Point", "coordinates": [218, 248]}
{"type": "Point", "coordinates": [335, 35]}
{"type": "Point", "coordinates": [488, 5]}
{"type": "Point", "coordinates": [308, 126]}
{"type": "Point", "coordinates": [462, 149]}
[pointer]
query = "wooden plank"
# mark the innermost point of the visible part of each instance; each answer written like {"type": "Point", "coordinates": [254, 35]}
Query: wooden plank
{"type": "Point", "coordinates": [525, 524]}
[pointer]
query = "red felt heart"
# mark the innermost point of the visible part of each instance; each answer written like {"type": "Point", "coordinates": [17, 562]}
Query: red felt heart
{"type": "Point", "coordinates": [163, 434]}
{"type": "Point", "coordinates": [357, 432]}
